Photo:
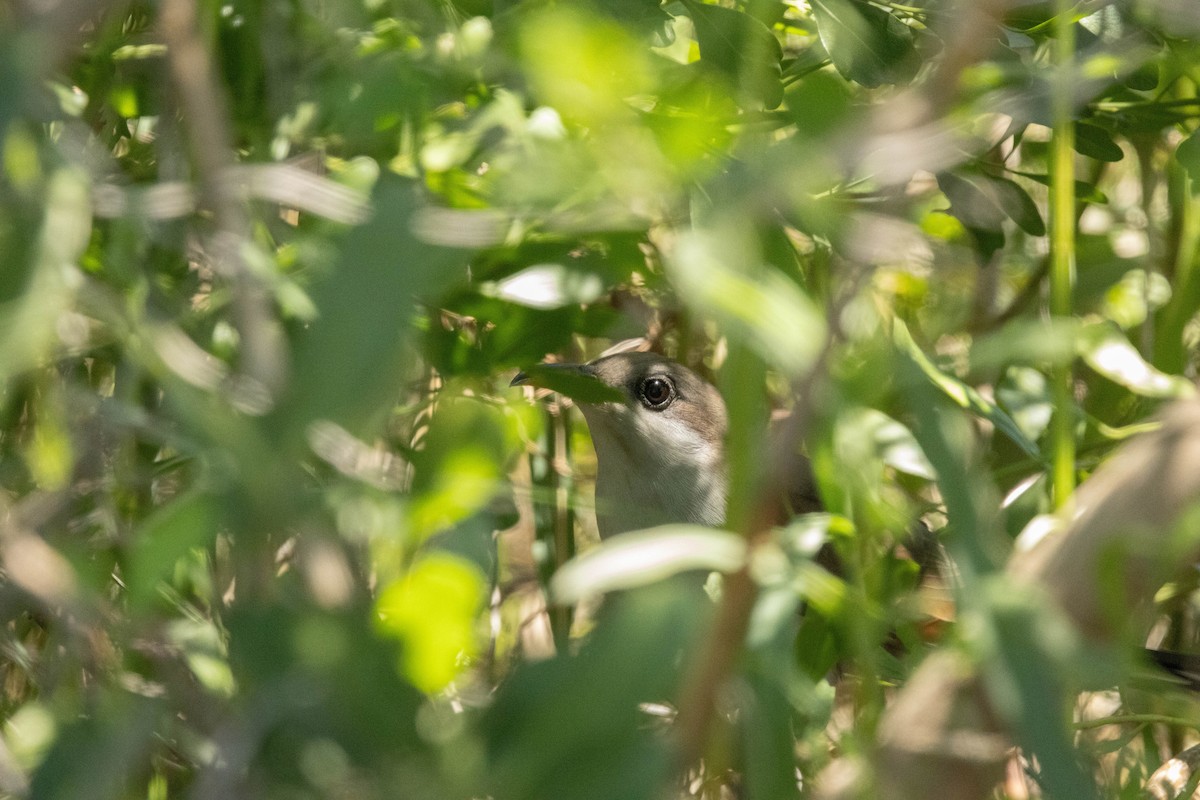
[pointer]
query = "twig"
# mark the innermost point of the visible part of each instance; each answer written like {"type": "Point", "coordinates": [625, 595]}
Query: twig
{"type": "Point", "coordinates": [204, 107]}
{"type": "Point", "coordinates": [1137, 719]}
{"type": "Point", "coordinates": [715, 660]}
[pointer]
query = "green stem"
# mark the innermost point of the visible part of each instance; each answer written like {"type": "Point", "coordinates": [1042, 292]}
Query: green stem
{"type": "Point", "coordinates": [1062, 246]}
{"type": "Point", "coordinates": [1137, 719]}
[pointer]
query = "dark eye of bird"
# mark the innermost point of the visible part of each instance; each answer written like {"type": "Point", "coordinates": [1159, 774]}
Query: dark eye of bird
{"type": "Point", "coordinates": [657, 393]}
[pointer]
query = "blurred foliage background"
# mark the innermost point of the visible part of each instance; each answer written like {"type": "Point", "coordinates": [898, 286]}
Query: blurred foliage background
{"type": "Point", "coordinates": [273, 525]}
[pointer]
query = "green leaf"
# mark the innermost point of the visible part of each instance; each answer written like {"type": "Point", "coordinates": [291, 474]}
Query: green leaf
{"type": "Point", "coordinates": [641, 557]}
{"type": "Point", "coordinates": [646, 17]}
{"type": "Point", "coordinates": [1084, 192]}
{"type": "Point", "coordinates": [1095, 142]}
{"type": "Point", "coordinates": [867, 44]}
{"type": "Point", "coordinates": [571, 726]}
{"type": "Point", "coordinates": [433, 610]}
{"type": "Point", "coordinates": [819, 104]}
{"type": "Point", "coordinates": [1106, 350]}
{"type": "Point", "coordinates": [1028, 651]}
{"type": "Point", "coordinates": [756, 303]}
{"type": "Point", "coordinates": [894, 443]}
{"type": "Point", "coordinates": [964, 395]}
{"type": "Point", "coordinates": [352, 361]}
{"type": "Point", "coordinates": [1188, 156]}
{"type": "Point", "coordinates": [166, 536]}
{"type": "Point", "coordinates": [765, 724]}
{"type": "Point", "coordinates": [983, 201]}
{"type": "Point", "coordinates": [743, 49]}
{"type": "Point", "coordinates": [1018, 205]}
{"type": "Point", "coordinates": [1022, 341]}
{"type": "Point", "coordinates": [461, 467]}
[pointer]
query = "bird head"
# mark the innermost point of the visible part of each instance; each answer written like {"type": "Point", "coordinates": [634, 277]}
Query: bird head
{"type": "Point", "coordinates": [659, 438]}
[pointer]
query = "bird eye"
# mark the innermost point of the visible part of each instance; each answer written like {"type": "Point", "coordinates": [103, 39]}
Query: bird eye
{"type": "Point", "coordinates": [657, 393]}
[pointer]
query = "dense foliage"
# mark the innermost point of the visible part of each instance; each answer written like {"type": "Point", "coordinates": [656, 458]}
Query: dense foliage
{"type": "Point", "coordinates": [273, 524]}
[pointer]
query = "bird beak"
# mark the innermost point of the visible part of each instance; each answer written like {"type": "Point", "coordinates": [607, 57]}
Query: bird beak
{"type": "Point", "coordinates": [532, 377]}
{"type": "Point", "coordinates": [576, 381]}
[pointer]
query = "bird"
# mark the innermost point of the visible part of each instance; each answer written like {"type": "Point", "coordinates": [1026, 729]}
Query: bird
{"type": "Point", "coordinates": [660, 445]}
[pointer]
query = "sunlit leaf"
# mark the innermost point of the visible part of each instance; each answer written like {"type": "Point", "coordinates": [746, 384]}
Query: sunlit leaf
{"type": "Point", "coordinates": [895, 443]}
{"type": "Point", "coordinates": [433, 610]}
{"type": "Point", "coordinates": [460, 468]}
{"type": "Point", "coordinates": [29, 732]}
{"type": "Point", "coordinates": [640, 557]}
{"type": "Point", "coordinates": [1108, 352]}
{"type": "Point", "coordinates": [546, 286]}
{"type": "Point", "coordinates": [28, 325]}
{"type": "Point", "coordinates": [204, 652]}
{"type": "Point", "coordinates": [573, 59]}
{"type": "Point", "coordinates": [1132, 299]}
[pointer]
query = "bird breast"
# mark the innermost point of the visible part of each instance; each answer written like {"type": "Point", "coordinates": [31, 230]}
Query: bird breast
{"type": "Point", "coordinates": [653, 470]}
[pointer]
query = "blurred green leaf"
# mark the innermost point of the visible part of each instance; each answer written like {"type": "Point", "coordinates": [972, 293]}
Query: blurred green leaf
{"type": "Point", "coordinates": [204, 651]}
{"type": "Point", "coordinates": [963, 395]}
{"type": "Point", "coordinates": [867, 44]}
{"type": "Point", "coordinates": [819, 104]}
{"type": "Point", "coordinates": [742, 49]}
{"type": "Point", "coordinates": [546, 738]}
{"type": "Point", "coordinates": [1084, 192]}
{"type": "Point", "coordinates": [641, 557]}
{"type": "Point", "coordinates": [1095, 142]}
{"type": "Point", "coordinates": [760, 306]}
{"type": "Point", "coordinates": [315, 675]}
{"type": "Point", "coordinates": [168, 535]}
{"type": "Point", "coordinates": [27, 325]}
{"type": "Point", "coordinates": [983, 201]}
{"type": "Point", "coordinates": [1024, 682]}
{"type": "Point", "coordinates": [1107, 351]}
{"type": "Point", "coordinates": [570, 54]}
{"type": "Point", "coordinates": [461, 467]}
{"type": "Point", "coordinates": [384, 270]}
{"type": "Point", "coordinates": [95, 756]}
{"type": "Point", "coordinates": [1187, 153]}
{"type": "Point", "coordinates": [644, 16]}
{"type": "Point", "coordinates": [433, 610]}
{"type": "Point", "coordinates": [766, 727]}
{"type": "Point", "coordinates": [1036, 342]}
{"type": "Point", "coordinates": [895, 443]}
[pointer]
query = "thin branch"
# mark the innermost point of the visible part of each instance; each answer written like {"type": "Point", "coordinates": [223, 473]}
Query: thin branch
{"type": "Point", "coordinates": [209, 133]}
{"type": "Point", "coordinates": [715, 661]}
